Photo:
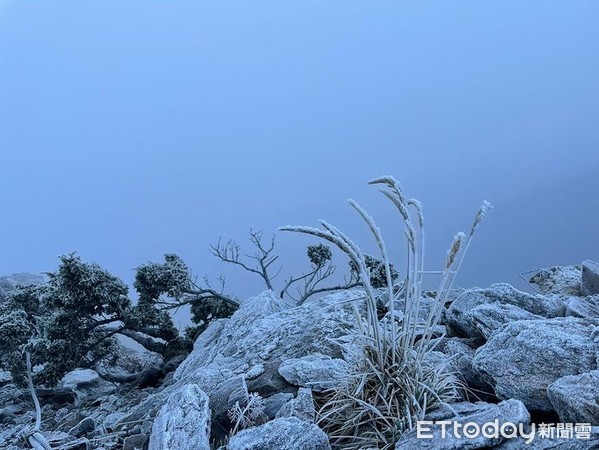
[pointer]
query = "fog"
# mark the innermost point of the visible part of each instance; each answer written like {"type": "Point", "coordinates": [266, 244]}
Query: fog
{"type": "Point", "coordinates": [133, 129]}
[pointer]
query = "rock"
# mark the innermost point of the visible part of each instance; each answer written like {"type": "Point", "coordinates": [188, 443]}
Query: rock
{"type": "Point", "coordinates": [236, 391]}
{"type": "Point", "coordinates": [576, 397]}
{"type": "Point", "coordinates": [129, 365]}
{"type": "Point", "coordinates": [56, 438]}
{"type": "Point", "coordinates": [136, 442]}
{"type": "Point", "coordinates": [563, 280]}
{"type": "Point", "coordinates": [10, 435]}
{"type": "Point", "coordinates": [86, 383]}
{"type": "Point", "coordinates": [461, 315]}
{"type": "Point", "coordinates": [79, 377]}
{"type": "Point", "coordinates": [461, 354]}
{"type": "Point", "coordinates": [59, 396]}
{"type": "Point", "coordinates": [87, 425]}
{"type": "Point", "coordinates": [208, 380]}
{"type": "Point", "coordinates": [26, 418]}
{"type": "Point", "coordinates": [521, 359]}
{"type": "Point", "coordinates": [9, 412]}
{"type": "Point", "coordinates": [590, 278]}
{"type": "Point", "coordinates": [263, 332]}
{"type": "Point", "coordinates": [223, 398]}
{"type": "Point", "coordinates": [301, 407]}
{"type": "Point", "coordinates": [585, 307]}
{"type": "Point", "coordinates": [480, 413]}
{"type": "Point", "coordinates": [288, 433]}
{"type": "Point", "coordinates": [112, 419]}
{"type": "Point", "coordinates": [487, 318]}
{"type": "Point", "coordinates": [277, 333]}
{"type": "Point", "coordinates": [77, 444]}
{"type": "Point", "coordinates": [315, 371]}
{"type": "Point", "coordinates": [183, 423]}
{"type": "Point", "coordinates": [5, 378]}
{"type": "Point", "coordinates": [273, 404]}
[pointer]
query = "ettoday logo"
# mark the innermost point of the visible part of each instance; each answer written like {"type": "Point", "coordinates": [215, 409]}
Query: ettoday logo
{"type": "Point", "coordinates": [428, 429]}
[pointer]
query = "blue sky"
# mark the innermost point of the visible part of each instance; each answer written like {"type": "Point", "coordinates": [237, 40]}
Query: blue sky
{"type": "Point", "coordinates": [131, 129]}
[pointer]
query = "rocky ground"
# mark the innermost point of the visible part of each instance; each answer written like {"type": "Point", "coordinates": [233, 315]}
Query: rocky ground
{"type": "Point", "coordinates": [526, 357]}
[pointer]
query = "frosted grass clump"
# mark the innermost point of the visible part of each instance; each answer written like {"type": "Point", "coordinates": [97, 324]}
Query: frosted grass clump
{"type": "Point", "coordinates": [248, 415]}
{"type": "Point", "coordinates": [399, 376]}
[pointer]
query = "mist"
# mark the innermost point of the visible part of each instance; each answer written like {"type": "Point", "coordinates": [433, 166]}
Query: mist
{"type": "Point", "coordinates": [132, 130]}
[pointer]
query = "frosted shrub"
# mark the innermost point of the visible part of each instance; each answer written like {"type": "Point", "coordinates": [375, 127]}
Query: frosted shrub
{"type": "Point", "coordinates": [399, 376]}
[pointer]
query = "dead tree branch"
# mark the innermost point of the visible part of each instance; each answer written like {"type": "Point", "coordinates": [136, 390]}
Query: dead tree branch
{"type": "Point", "coordinates": [231, 252]}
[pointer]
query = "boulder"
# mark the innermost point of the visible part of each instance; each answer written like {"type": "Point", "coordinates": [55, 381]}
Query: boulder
{"type": "Point", "coordinates": [183, 423]}
{"type": "Point", "coordinates": [273, 404]}
{"type": "Point", "coordinates": [278, 333]}
{"type": "Point", "coordinates": [84, 427]}
{"type": "Point", "coordinates": [5, 377]}
{"type": "Point", "coordinates": [10, 412]}
{"type": "Point", "coordinates": [590, 278]}
{"type": "Point", "coordinates": [136, 442]}
{"type": "Point", "coordinates": [301, 407]}
{"type": "Point", "coordinates": [521, 359]}
{"type": "Point", "coordinates": [576, 397]}
{"type": "Point", "coordinates": [87, 384]}
{"type": "Point", "coordinates": [315, 371]}
{"type": "Point", "coordinates": [253, 343]}
{"type": "Point", "coordinates": [112, 419]}
{"type": "Point", "coordinates": [563, 280]}
{"type": "Point", "coordinates": [461, 353]}
{"type": "Point", "coordinates": [289, 433]}
{"type": "Point", "coordinates": [487, 318]}
{"type": "Point", "coordinates": [462, 315]}
{"type": "Point", "coordinates": [79, 377]}
{"type": "Point", "coordinates": [585, 307]}
{"type": "Point", "coordinates": [77, 444]}
{"type": "Point", "coordinates": [433, 437]}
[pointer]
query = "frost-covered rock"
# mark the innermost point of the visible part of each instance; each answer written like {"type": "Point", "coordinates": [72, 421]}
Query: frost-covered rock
{"type": "Point", "coordinates": [262, 333]}
{"type": "Point", "coordinates": [585, 307]}
{"type": "Point", "coordinates": [9, 412]}
{"type": "Point", "coordinates": [87, 425]}
{"type": "Point", "coordinates": [112, 419]}
{"type": "Point", "coordinates": [86, 383]}
{"type": "Point", "coordinates": [487, 318]}
{"type": "Point", "coordinates": [277, 333]}
{"type": "Point", "coordinates": [479, 413]}
{"type": "Point", "coordinates": [5, 377]}
{"type": "Point", "coordinates": [576, 397]}
{"type": "Point", "coordinates": [274, 403]}
{"type": "Point", "coordinates": [136, 442]}
{"type": "Point", "coordinates": [521, 359]}
{"type": "Point", "coordinates": [79, 377]}
{"type": "Point", "coordinates": [289, 433]}
{"type": "Point", "coordinates": [315, 371]}
{"type": "Point", "coordinates": [590, 278]}
{"type": "Point", "coordinates": [463, 315]}
{"type": "Point", "coordinates": [183, 423]}
{"type": "Point", "coordinates": [564, 280]}
{"type": "Point", "coordinates": [301, 407]}
{"type": "Point", "coordinates": [461, 353]}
